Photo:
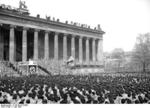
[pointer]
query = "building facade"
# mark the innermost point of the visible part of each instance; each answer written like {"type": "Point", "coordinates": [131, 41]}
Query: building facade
{"type": "Point", "coordinates": [23, 37]}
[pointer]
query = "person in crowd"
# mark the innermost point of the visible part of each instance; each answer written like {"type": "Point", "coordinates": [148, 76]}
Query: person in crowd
{"type": "Point", "coordinates": [75, 89]}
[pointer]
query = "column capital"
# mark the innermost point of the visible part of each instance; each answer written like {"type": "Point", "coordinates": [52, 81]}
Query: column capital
{"type": "Point", "coordinates": [93, 39]}
{"type": "Point", "coordinates": [57, 33]}
{"type": "Point", "coordinates": [47, 31]}
{"type": "Point", "coordinates": [72, 35]}
{"type": "Point", "coordinates": [12, 26]}
{"type": "Point", "coordinates": [65, 34]}
{"type": "Point", "coordinates": [36, 30]}
{"type": "Point", "coordinates": [101, 39]}
{"type": "Point", "coordinates": [25, 28]}
{"type": "Point", "coordinates": [98, 39]}
{"type": "Point", "coordinates": [80, 37]}
{"type": "Point", "coordinates": [87, 38]}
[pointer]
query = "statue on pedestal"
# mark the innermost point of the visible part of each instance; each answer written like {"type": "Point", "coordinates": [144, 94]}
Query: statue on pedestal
{"type": "Point", "coordinates": [23, 8]}
{"type": "Point", "coordinates": [22, 5]}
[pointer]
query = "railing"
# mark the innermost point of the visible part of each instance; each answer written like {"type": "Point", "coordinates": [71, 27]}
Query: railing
{"type": "Point", "coordinates": [7, 68]}
{"type": "Point", "coordinates": [44, 70]}
{"type": "Point", "coordinates": [55, 67]}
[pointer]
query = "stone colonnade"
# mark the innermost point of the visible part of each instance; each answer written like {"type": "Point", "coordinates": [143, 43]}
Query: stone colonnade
{"type": "Point", "coordinates": [96, 51]}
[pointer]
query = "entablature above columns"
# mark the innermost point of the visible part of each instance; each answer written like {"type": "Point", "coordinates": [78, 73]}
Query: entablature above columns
{"type": "Point", "coordinates": [25, 28]}
{"type": "Point", "coordinates": [65, 35]}
{"type": "Point", "coordinates": [6, 15]}
{"type": "Point", "coordinates": [12, 26]}
{"type": "Point", "coordinates": [56, 33]}
{"type": "Point", "coordinates": [46, 31]}
{"type": "Point", "coordinates": [58, 30]}
{"type": "Point", "coordinates": [36, 30]}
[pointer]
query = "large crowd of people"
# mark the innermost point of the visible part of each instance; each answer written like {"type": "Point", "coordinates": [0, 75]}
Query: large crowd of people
{"type": "Point", "coordinates": [106, 89]}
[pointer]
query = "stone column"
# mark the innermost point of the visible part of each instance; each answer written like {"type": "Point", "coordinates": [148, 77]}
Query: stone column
{"type": "Point", "coordinates": [93, 50]}
{"type": "Point", "coordinates": [100, 51]}
{"type": "Point", "coordinates": [73, 46]}
{"type": "Point", "coordinates": [65, 47]}
{"type": "Point", "coordinates": [56, 46]}
{"type": "Point", "coordinates": [24, 45]}
{"type": "Point", "coordinates": [12, 44]}
{"type": "Point", "coordinates": [1, 45]}
{"type": "Point", "coordinates": [36, 44]}
{"type": "Point", "coordinates": [46, 45]}
{"type": "Point", "coordinates": [87, 50]}
{"type": "Point", "coordinates": [80, 50]}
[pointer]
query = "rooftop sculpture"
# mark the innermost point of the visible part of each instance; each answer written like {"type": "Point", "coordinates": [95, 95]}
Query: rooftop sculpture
{"type": "Point", "coordinates": [22, 5]}
{"type": "Point", "coordinates": [23, 8]}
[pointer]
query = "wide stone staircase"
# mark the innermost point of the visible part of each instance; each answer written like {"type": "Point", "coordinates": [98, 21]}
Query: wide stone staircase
{"type": "Point", "coordinates": [20, 68]}
{"type": "Point", "coordinates": [16, 69]}
{"type": "Point", "coordinates": [9, 69]}
{"type": "Point", "coordinates": [38, 69]}
{"type": "Point", "coordinates": [54, 67]}
{"type": "Point", "coordinates": [47, 67]}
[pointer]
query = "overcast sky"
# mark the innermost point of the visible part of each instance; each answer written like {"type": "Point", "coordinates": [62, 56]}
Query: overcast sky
{"type": "Point", "coordinates": [122, 20]}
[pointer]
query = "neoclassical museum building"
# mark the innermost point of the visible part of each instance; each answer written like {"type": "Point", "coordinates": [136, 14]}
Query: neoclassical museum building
{"type": "Point", "coordinates": [24, 37]}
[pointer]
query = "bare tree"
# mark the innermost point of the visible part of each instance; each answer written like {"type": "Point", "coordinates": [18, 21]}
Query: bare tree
{"type": "Point", "coordinates": [141, 51]}
{"type": "Point", "coordinates": [118, 55]}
